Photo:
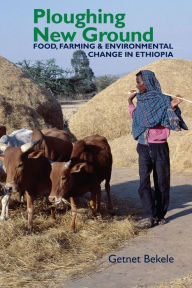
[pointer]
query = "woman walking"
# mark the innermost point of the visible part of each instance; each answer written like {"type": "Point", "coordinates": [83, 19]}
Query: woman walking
{"type": "Point", "coordinates": [153, 118]}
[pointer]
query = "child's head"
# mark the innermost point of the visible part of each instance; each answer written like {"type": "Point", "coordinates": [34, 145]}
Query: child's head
{"type": "Point", "coordinates": [140, 83]}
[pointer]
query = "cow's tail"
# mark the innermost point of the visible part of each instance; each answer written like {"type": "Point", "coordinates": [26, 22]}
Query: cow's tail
{"type": "Point", "coordinates": [108, 191]}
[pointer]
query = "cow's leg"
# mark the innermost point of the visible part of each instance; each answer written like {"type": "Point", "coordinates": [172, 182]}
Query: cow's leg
{"type": "Point", "coordinates": [30, 209]}
{"type": "Point", "coordinates": [7, 208]}
{"type": "Point", "coordinates": [108, 190]}
{"type": "Point", "coordinates": [5, 205]}
{"type": "Point", "coordinates": [22, 199]}
{"type": "Point", "coordinates": [53, 213]}
{"type": "Point", "coordinates": [99, 199]}
{"type": "Point", "coordinates": [93, 201]}
{"type": "Point", "coordinates": [73, 213]}
{"type": "Point", "coordinates": [21, 196]}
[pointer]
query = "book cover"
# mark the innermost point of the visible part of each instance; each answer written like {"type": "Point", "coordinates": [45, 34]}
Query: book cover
{"type": "Point", "coordinates": [73, 65]}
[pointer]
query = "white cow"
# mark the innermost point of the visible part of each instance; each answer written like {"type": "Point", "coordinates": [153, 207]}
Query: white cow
{"type": "Point", "coordinates": [16, 138]}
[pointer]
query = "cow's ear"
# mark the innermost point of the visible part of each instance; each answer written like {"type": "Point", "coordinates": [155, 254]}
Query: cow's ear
{"type": "Point", "coordinates": [77, 167]}
{"type": "Point", "coordinates": [36, 154]}
{"type": "Point", "coordinates": [2, 157]}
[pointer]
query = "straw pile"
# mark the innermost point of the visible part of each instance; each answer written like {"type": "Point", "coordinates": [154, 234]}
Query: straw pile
{"type": "Point", "coordinates": [180, 146]}
{"type": "Point", "coordinates": [107, 113]}
{"type": "Point", "coordinates": [50, 255]}
{"type": "Point", "coordinates": [23, 103]}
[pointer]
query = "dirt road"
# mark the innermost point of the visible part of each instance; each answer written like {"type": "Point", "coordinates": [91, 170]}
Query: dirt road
{"type": "Point", "coordinates": [173, 239]}
{"type": "Point", "coordinates": [71, 107]}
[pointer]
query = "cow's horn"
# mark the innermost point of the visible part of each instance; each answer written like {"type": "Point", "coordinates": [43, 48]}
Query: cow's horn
{"type": "Point", "coordinates": [25, 147]}
{"type": "Point", "coordinates": [67, 164]}
{"type": "Point", "coordinates": [3, 147]}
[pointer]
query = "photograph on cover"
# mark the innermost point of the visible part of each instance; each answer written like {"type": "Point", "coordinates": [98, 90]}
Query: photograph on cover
{"type": "Point", "coordinates": [95, 144]}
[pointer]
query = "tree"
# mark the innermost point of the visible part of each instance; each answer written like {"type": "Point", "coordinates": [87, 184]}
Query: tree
{"type": "Point", "coordinates": [102, 82]}
{"type": "Point", "coordinates": [84, 76]}
{"type": "Point", "coordinates": [47, 73]}
{"type": "Point", "coordinates": [80, 64]}
{"type": "Point", "coordinates": [59, 81]}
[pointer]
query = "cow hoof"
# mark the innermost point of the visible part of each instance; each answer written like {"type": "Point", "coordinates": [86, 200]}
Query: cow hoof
{"type": "Point", "coordinates": [111, 212]}
{"type": "Point", "coordinates": [2, 219]}
{"type": "Point", "coordinates": [99, 217]}
{"type": "Point", "coordinates": [72, 231]}
{"type": "Point", "coordinates": [30, 229]}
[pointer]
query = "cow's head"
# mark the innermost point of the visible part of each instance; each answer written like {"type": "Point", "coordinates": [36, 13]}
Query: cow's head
{"type": "Point", "coordinates": [14, 159]}
{"type": "Point", "coordinates": [62, 177]}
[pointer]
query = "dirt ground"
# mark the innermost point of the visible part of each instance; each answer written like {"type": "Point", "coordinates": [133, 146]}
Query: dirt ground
{"type": "Point", "coordinates": [172, 239]}
{"type": "Point", "coordinates": [70, 107]}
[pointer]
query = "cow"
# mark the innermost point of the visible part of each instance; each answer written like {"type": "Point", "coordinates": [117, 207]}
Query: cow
{"type": "Point", "coordinates": [27, 170]}
{"type": "Point", "coordinates": [2, 130]}
{"type": "Point", "coordinates": [89, 165]}
{"type": "Point", "coordinates": [16, 138]}
{"type": "Point", "coordinates": [5, 195]}
{"type": "Point", "coordinates": [5, 203]}
{"type": "Point", "coordinates": [55, 143]}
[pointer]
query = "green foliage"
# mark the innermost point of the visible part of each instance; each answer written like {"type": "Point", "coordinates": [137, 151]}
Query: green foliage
{"type": "Point", "coordinates": [102, 82]}
{"type": "Point", "coordinates": [83, 79]}
{"type": "Point", "coordinates": [47, 73]}
{"type": "Point", "coordinates": [61, 82]}
{"type": "Point", "coordinates": [80, 64]}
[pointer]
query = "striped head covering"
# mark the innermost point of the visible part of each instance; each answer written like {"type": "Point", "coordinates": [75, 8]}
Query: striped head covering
{"type": "Point", "coordinates": [154, 108]}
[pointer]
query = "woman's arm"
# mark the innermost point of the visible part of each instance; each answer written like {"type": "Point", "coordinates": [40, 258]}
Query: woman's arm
{"type": "Point", "coordinates": [130, 101]}
{"type": "Point", "coordinates": [131, 97]}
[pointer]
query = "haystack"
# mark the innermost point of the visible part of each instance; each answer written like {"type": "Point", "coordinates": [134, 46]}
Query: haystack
{"type": "Point", "coordinates": [23, 103]}
{"type": "Point", "coordinates": [107, 113]}
{"type": "Point", "coordinates": [180, 146]}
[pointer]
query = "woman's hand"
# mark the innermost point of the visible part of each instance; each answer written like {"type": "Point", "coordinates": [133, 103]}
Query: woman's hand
{"type": "Point", "coordinates": [176, 101]}
{"type": "Point", "coordinates": [132, 96]}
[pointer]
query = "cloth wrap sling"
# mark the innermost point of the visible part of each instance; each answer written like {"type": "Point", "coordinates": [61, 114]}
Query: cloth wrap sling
{"type": "Point", "coordinates": [154, 108]}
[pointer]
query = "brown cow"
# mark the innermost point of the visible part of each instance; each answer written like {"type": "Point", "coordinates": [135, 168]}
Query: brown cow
{"type": "Point", "coordinates": [90, 164]}
{"type": "Point", "coordinates": [2, 130]}
{"type": "Point", "coordinates": [55, 143]}
{"type": "Point", "coordinates": [28, 171]}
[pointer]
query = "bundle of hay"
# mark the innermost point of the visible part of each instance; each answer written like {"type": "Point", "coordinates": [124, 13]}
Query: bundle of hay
{"type": "Point", "coordinates": [51, 255]}
{"type": "Point", "coordinates": [107, 113]}
{"type": "Point", "coordinates": [23, 103]}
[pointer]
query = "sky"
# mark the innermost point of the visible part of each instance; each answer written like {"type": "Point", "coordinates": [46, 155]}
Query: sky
{"type": "Point", "coordinates": [171, 21]}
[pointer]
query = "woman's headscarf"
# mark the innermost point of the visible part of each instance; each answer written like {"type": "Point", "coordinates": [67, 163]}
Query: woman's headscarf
{"type": "Point", "coordinates": [154, 108]}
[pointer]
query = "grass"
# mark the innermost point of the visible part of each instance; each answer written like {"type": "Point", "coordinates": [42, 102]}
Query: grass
{"type": "Point", "coordinates": [184, 282]}
{"type": "Point", "coordinates": [51, 254]}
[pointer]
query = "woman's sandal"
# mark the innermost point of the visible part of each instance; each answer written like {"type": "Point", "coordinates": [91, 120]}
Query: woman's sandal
{"type": "Point", "coordinates": [162, 221]}
{"type": "Point", "coordinates": [149, 223]}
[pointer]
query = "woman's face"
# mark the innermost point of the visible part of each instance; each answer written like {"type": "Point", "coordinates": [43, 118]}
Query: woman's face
{"type": "Point", "coordinates": [140, 85]}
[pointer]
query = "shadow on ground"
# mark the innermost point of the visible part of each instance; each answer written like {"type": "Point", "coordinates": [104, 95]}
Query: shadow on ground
{"type": "Point", "coordinates": [180, 197]}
